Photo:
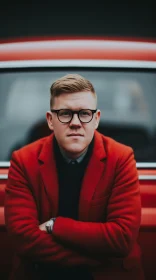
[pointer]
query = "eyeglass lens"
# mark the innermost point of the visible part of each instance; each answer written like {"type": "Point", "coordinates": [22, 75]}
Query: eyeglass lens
{"type": "Point", "coordinates": [65, 115]}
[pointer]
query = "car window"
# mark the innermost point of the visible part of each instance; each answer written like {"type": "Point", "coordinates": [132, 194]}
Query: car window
{"type": "Point", "coordinates": [126, 99]}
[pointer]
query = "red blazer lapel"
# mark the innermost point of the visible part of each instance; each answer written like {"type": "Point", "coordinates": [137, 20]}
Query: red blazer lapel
{"type": "Point", "coordinates": [49, 173]}
{"type": "Point", "coordinates": [92, 176]}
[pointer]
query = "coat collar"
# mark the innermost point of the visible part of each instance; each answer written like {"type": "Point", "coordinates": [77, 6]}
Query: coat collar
{"type": "Point", "coordinates": [91, 178]}
{"type": "Point", "coordinates": [49, 172]}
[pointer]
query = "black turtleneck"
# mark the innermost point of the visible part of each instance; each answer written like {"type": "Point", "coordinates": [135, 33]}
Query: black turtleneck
{"type": "Point", "coordinates": [70, 180]}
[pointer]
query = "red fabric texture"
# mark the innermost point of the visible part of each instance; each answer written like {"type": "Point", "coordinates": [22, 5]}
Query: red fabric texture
{"type": "Point", "coordinates": [104, 238]}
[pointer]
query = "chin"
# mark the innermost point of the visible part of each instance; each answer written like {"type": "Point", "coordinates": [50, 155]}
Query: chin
{"type": "Point", "coordinates": [74, 148]}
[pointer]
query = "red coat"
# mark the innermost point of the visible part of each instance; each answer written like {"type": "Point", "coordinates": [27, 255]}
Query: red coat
{"type": "Point", "coordinates": [105, 236]}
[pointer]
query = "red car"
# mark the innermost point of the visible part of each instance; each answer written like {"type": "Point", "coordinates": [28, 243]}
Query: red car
{"type": "Point", "coordinates": [124, 76]}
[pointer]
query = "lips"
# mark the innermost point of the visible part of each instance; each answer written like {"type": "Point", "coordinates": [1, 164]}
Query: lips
{"type": "Point", "coordinates": [73, 134]}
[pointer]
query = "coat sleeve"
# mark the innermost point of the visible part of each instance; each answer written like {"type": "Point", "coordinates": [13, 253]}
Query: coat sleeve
{"type": "Point", "coordinates": [117, 235]}
{"type": "Point", "coordinates": [22, 224]}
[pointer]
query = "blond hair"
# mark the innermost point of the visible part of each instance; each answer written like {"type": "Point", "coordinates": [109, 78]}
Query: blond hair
{"type": "Point", "coordinates": [70, 83]}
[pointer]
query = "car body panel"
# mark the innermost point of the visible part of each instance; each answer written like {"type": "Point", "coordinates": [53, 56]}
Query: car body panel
{"type": "Point", "coordinates": [78, 49]}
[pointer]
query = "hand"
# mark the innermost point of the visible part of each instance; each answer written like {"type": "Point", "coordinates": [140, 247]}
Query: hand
{"type": "Point", "coordinates": [42, 226]}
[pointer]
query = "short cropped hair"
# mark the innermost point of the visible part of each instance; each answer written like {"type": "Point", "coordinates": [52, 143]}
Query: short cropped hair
{"type": "Point", "coordinates": [70, 83]}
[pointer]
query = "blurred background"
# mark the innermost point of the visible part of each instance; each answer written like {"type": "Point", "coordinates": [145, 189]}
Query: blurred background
{"type": "Point", "coordinates": [105, 17]}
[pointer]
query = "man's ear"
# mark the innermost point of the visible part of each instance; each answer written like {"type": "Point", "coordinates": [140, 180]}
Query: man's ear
{"type": "Point", "coordinates": [49, 120]}
{"type": "Point", "coordinates": [97, 118]}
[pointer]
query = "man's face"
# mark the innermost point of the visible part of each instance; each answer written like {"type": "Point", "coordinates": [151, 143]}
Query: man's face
{"type": "Point", "coordinates": [75, 136]}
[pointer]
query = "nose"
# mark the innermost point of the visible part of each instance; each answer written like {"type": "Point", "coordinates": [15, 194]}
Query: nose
{"type": "Point", "coordinates": [75, 121]}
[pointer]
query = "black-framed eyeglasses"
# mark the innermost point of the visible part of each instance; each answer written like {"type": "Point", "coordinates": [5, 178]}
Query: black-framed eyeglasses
{"type": "Point", "coordinates": [66, 115]}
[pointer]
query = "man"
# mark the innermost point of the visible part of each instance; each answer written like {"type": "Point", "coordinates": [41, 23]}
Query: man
{"type": "Point", "coordinates": [72, 203]}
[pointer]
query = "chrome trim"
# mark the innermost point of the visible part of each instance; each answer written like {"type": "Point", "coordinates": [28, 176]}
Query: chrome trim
{"type": "Point", "coordinates": [92, 44]}
{"type": "Point", "coordinates": [141, 177]}
{"type": "Point", "coordinates": [145, 165]}
{"type": "Point", "coordinates": [141, 165]}
{"type": "Point", "coordinates": [79, 63]}
{"type": "Point", "coordinates": [4, 164]}
{"type": "Point", "coordinates": [3, 176]}
{"type": "Point", "coordinates": [147, 177]}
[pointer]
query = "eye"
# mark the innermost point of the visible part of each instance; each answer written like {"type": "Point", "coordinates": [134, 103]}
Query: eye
{"type": "Point", "coordinates": [85, 113]}
{"type": "Point", "coordinates": [65, 113]}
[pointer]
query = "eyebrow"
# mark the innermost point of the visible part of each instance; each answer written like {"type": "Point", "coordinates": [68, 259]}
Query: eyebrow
{"type": "Point", "coordinates": [74, 109]}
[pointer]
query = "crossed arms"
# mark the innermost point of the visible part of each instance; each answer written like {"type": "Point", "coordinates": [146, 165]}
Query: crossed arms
{"type": "Point", "coordinates": [74, 242]}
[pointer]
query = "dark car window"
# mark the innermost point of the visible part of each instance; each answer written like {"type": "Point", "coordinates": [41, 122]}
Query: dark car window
{"type": "Point", "coordinates": [127, 101]}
